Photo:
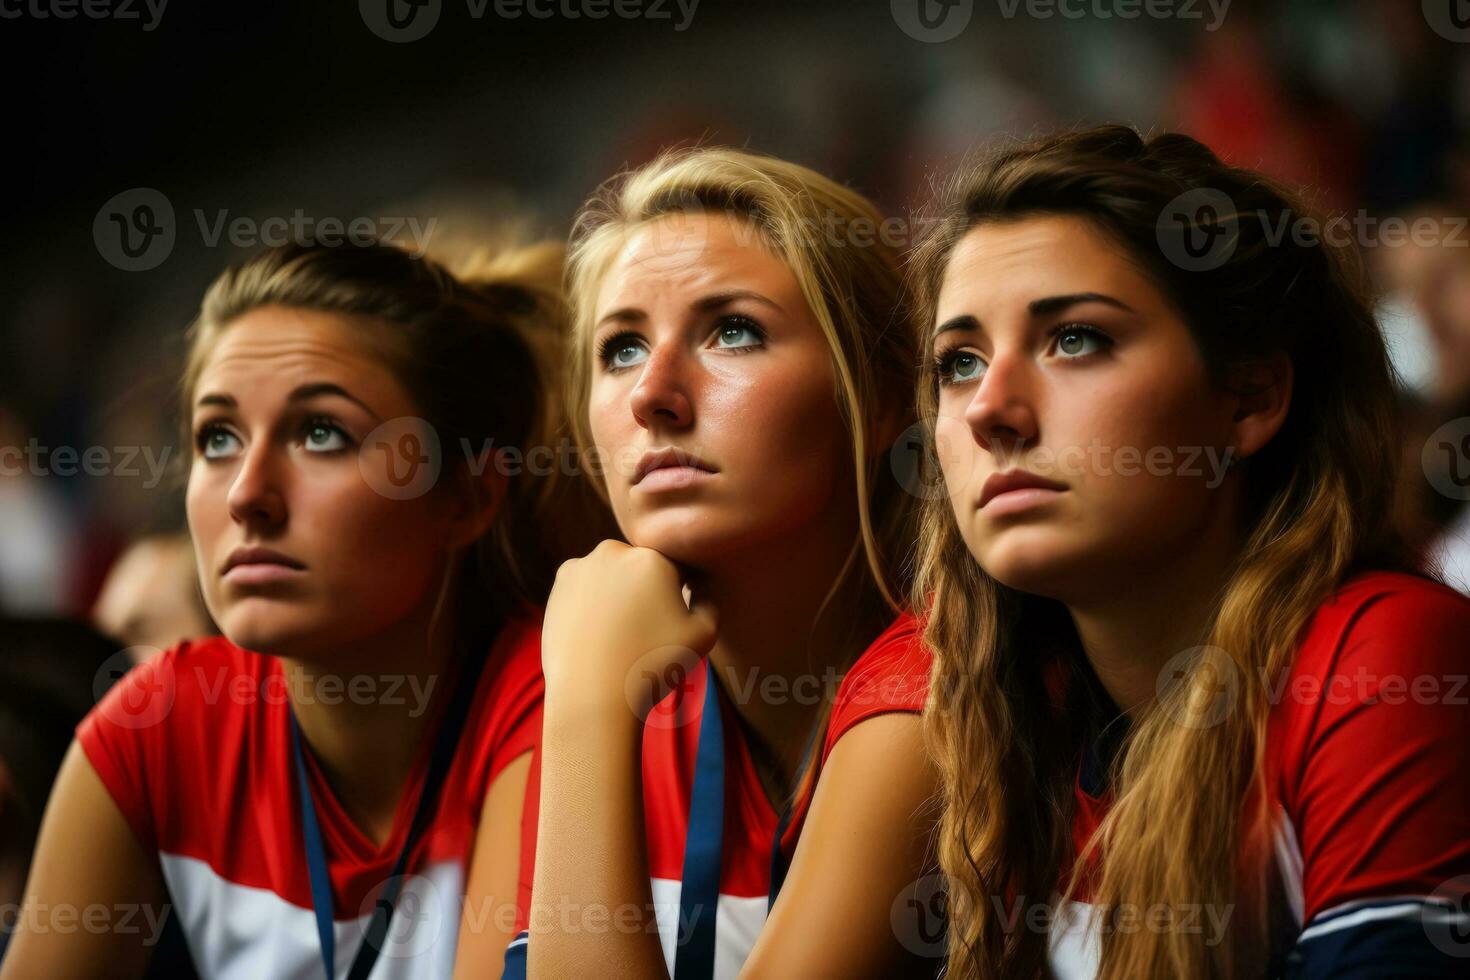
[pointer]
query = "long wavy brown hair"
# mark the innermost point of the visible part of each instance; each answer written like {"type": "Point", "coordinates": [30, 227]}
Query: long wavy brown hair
{"type": "Point", "coordinates": [1318, 505]}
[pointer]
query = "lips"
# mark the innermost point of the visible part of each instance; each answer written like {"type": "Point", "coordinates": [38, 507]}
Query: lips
{"type": "Point", "coordinates": [999, 483]}
{"type": "Point", "coordinates": [668, 458]}
{"type": "Point", "coordinates": [259, 556]}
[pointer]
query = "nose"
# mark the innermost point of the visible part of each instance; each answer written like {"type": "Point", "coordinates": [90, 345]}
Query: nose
{"type": "Point", "coordinates": [256, 495]}
{"type": "Point", "coordinates": [1002, 413]}
{"type": "Point", "coordinates": [661, 397]}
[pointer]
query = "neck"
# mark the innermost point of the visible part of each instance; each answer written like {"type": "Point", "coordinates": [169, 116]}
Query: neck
{"type": "Point", "coordinates": [1164, 608]}
{"type": "Point", "coordinates": [363, 712]}
{"type": "Point", "coordinates": [776, 658]}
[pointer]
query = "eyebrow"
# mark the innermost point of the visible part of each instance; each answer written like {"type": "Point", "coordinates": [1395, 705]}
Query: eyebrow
{"type": "Point", "coordinates": [1045, 306]}
{"type": "Point", "coordinates": [302, 393]}
{"type": "Point", "coordinates": [706, 304]}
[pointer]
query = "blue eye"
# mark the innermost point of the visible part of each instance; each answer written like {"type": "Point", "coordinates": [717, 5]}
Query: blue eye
{"type": "Point", "coordinates": [324, 436]}
{"type": "Point", "coordinates": [620, 351]}
{"type": "Point", "coordinates": [1077, 340]}
{"type": "Point", "coordinates": [958, 367]}
{"type": "Point", "coordinates": [733, 329]}
{"type": "Point", "coordinates": [213, 441]}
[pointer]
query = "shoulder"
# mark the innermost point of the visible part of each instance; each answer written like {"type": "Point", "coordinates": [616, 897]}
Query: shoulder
{"type": "Point", "coordinates": [892, 674]}
{"type": "Point", "coordinates": [1389, 622]}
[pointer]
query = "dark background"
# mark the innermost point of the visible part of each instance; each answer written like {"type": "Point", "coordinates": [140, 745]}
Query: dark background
{"type": "Point", "coordinates": [261, 109]}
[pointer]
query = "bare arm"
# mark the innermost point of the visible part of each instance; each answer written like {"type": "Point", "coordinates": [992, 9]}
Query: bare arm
{"type": "Point", "coordinates": [864, 848]}
{"type": "Point", "coordinates": [591, 909]}
{"type": "Point", "coordinates": [487, 923]}
{"type": "Point", "coordinates": [95, 901]}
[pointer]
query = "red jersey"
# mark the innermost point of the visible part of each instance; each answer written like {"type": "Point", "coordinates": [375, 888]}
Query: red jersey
{"type": "Point", "coordinates": [195, 748]}
{"type": "Point", "coordinates": [891, 675]}
{"type": "Point", "coordinates": [1368, 754]}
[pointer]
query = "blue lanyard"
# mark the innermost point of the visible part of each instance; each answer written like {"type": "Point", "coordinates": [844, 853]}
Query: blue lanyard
{"type": "Point", "coordinates": [699, 893]}
{"type": "Point", "coordinates": [445, 742]}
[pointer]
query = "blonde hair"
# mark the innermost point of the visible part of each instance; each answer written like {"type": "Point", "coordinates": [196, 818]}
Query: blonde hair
{"type": "Point", "coordinates": [479, 353]}
{"type": "Point", "coordinates": [852, 288]}
{"type": "Point", "coordinates": [1318, 506]}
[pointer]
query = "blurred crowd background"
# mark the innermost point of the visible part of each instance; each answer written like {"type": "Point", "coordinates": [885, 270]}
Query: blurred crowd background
{"type": "Point", "coordinates": [230, 115]}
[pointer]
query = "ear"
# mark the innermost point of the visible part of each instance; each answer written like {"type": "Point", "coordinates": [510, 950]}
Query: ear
{"type": "Point", "coordinates": [1261, 396]}
{"type": "Point", "coordinates": [478, 498]}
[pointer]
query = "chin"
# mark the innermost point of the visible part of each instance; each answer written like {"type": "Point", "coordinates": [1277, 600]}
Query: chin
{"type": "Point", "coordinates": [1027, 559]}
{"type": "Point", "coordinates": [689, 537]}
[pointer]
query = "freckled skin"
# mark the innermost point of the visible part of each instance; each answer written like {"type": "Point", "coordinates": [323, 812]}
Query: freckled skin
{"type": "Point", "coordinates": [767, 417]}
{"type": "Point", "coordinates": [369, 559]}
{"type": "Point", "coordinates": [1148, 389]}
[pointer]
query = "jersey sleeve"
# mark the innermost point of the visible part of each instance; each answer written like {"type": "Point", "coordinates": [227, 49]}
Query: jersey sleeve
{"type": "Point", "coordinates": [892, 675]}
{"type": "Point", "coordinates": [519, 696]}
{"type": "Point", "coordinates": [515, 953]}
{"type": "Point", "coordinates": [1381, 800]}
{"type": "Point", "coordinates": [124, 734]}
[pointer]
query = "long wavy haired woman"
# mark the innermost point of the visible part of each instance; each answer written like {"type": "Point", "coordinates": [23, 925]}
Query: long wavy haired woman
{"type": "Point", "coordinates": [1195, 713]}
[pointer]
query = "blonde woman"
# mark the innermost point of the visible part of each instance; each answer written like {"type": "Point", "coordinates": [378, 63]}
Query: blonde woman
{"type": "Point", "coordinates": [1175, 634]}
{"type": "Point", "coordinates": [305, 792]}
{"type": "Point", "coordinates": [739, 369]}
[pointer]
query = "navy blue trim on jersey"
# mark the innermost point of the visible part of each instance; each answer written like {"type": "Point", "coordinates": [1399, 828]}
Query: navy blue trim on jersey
{"type": "Point", "coordinates": [1382, 938]}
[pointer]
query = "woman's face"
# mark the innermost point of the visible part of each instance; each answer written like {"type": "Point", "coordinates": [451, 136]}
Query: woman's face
{"type": "Point", "coordinates": [704, 345]}
{"type": "Point", "coordinates": [281, 412]}
{"type": "Point", "coordinates": [1061, 364]}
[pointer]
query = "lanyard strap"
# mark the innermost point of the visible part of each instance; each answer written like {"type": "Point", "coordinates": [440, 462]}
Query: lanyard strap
{"type": "Point", "coordinates": [699, 893]}
{"type": "Point", "coordinates": [445, 742]}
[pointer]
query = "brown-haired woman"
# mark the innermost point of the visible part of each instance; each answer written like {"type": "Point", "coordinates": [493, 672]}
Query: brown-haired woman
{"type": "Point", "coordinates": [1174, 629]}
{"type": "Point", "coordinates": [306, 791]}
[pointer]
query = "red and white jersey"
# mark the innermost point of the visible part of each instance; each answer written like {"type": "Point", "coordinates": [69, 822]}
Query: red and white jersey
{"type": "Point", "coordinates": [195, 748]}
{"type": "Point", "coordinates": [891, 675]}
{"type": "Point", "coordinates": [1368, 756]}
